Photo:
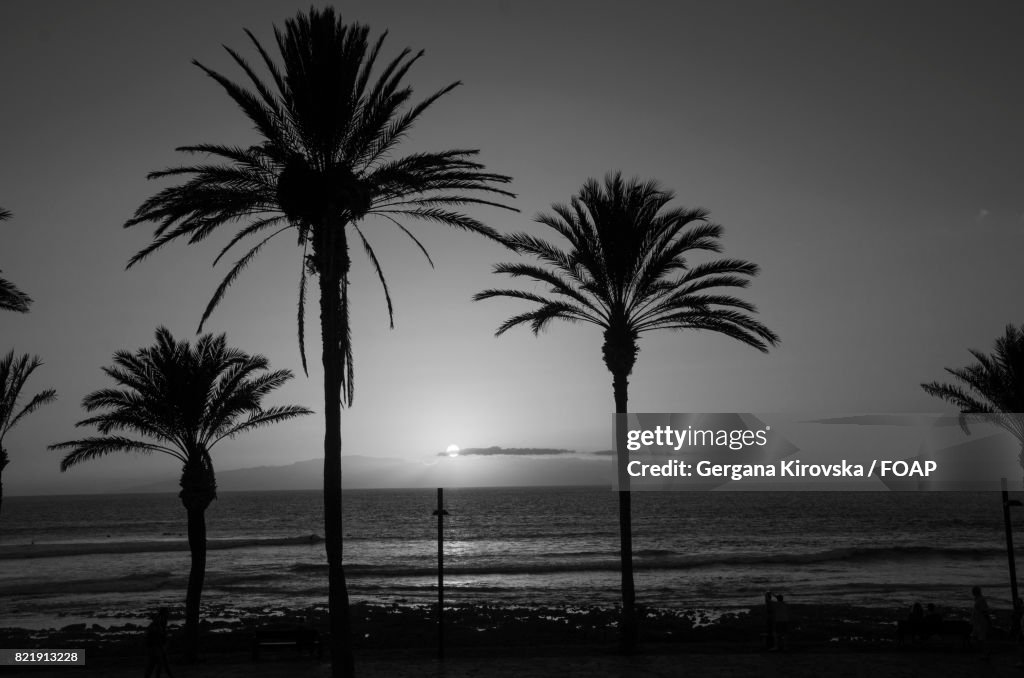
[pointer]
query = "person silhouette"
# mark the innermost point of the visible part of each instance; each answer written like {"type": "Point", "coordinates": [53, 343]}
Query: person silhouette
{"type": "Point", "coordinates": [781, 610]}
{"type": "Point", "coordinates": [980, 622]}
{"type": "Point", "coordinates": [156, 644]}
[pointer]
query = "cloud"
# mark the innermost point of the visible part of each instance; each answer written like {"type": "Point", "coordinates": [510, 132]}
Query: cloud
{"type": "Point", "coordinates": [509, 451]}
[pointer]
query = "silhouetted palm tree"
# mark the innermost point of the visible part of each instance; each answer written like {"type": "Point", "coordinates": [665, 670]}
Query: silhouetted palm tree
{"type": "Point", "coordinates": [181, 400]}
{"type": "Point", "coordinates": [625, 271]}
{"type": "Point", "coordinates": [14, 372]}
{"type": "Point", "coordinates": [992, 386]}
{"type": "Point", "coordinates": [11, 298]}
{"type": "Point", "coordinates": [326, 161]}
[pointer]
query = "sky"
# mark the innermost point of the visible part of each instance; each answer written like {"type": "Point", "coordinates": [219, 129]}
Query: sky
{"type": "Point", "coordinates": [866, 155]}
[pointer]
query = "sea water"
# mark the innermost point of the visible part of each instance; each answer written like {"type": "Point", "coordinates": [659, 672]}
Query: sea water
{"type": "Point", "coordinates": [108, 558]}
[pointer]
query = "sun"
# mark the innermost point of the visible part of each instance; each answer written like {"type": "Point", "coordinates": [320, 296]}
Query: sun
{"type": "Point", "coordinates": [452, 450]}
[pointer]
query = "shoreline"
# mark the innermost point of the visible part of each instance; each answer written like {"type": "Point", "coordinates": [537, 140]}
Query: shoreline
{"type": "Point", "coordinates": [397, 627]}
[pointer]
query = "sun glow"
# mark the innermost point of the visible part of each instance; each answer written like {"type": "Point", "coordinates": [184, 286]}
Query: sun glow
{"type": "Point", "coordinates": [452, 450]}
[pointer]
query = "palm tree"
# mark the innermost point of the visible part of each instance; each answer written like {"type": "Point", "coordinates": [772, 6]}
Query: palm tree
{"type": "Point", "coordinates": [326, 162]}
{"type": "Point", "coordinates": [11, 298]}
{"type": "Point", "coordinates": [626, 272]}
{"type": "Point", "coordinates": [181, 400]}
{"type": "Point", "coordinates": [14, 372]}
{"type": "Point", "coordinates": [993, 386]}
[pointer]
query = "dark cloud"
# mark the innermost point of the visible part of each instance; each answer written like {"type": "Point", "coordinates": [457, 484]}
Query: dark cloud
{"type": "Point", "coordinates": [510, 451]}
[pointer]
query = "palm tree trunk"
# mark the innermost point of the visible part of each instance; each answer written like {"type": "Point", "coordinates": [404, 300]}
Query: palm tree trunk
{"type": "Point", "coordinates": [629, 622]}
{"type": "Point", "coordinates": [198, 489]}
{"type": "Point", "coordinates": [620, 352]}
{"type": "Point", "coordinates": [330, 251]}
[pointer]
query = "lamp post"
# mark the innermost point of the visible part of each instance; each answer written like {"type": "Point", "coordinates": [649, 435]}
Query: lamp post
{"type": "Point", "coordinates": [440, 513]}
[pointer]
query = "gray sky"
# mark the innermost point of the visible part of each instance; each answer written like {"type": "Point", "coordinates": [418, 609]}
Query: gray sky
{"type": "Point", "coordinates": [867, 155]}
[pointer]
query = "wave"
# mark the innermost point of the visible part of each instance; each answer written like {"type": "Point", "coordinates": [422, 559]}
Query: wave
{"type": "Point", "coordinates": [547, 563]}
{"type": "Point", "coordinates": [133, 583]}
{"type": "Point", "coordinates": [658, 559]}
{"type": "Point", "coordinates": [57, 550]}
{"type": "Point", "coordinates": [869, 553]}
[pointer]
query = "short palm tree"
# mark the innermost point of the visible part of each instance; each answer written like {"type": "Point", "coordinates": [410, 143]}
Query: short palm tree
{"type": "Point", "coordinates": [11, 298]}
{"type": "Point", "coordinates": [14, 372]}
{"type": "Point", "coordinates": [625, 271]}
{"type": "Point", "coordinates": [993, 386]}
{"type": "Point", "coordinates": [181, 400]}
{"type": "Point", "coordinates": [326, 163]}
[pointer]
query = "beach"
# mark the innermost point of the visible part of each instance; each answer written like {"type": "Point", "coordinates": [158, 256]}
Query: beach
{"type": "Point", "coordinates": [484, 640]}
{"type": "Point", "coordinates": [727, 659]}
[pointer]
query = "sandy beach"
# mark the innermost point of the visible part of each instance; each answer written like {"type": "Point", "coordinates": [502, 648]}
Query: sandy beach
{"type": "Point", "coordinates": [486, 641]}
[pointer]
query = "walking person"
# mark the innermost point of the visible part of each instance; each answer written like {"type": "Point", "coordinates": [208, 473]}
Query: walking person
{"type": "Point", "coordinates": [781, 610]}
{"type": "Point", "coordinates": [156, 645]}
{"type": "Point", "coordinates": [980, 621]}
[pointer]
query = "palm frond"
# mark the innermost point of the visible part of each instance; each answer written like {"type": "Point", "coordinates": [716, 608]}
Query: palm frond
{"type": "Point", "coordinates": [993, 385]}
{"type": "Point", "coordinates": [11, 298]}
{"type": "Point", "coordinates": [735, 325]}
{"type": "Point", "coordinates": [232, 276]}
{"type": "Point", "coordinates": [380, 273]}
{"type": "Point", "coordinates": [411, 236]}
{"type": "Point", "coordinates": [37, 401]}
{"type": "Point", "coordinates": [267, 417]}
{"type": "Point", "coordinates": [540, 317]}
{"type": "Point", "coordinates": [14, 374]}
{"type": "Point", "coordinates": [86, 449]}
{"type": "Point", "coordinates": [302, 311]}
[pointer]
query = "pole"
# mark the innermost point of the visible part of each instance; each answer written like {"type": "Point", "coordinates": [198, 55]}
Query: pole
{"type": "Point", "coordinates": [440, 574]}
{"type": "Point", "coordinates": [1009, 549]}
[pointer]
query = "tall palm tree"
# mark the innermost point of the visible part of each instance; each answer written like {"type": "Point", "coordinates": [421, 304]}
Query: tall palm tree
{"type": "Point", "coordinates": [329, 122]}
{"type": "Point", "coordinates": [181, 400]}
{"type": "Point", "coordinates": [14, 372]}
{"type": "Point", "coordinates": [11, 298]}
{"type": "Point", "coordinates": [626, 271]}
{"type": "Point", "coordinates": [993, 386]}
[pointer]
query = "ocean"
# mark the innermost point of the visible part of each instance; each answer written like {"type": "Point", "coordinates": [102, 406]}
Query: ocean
{"type": "Point", "coordinates": [108, 559]}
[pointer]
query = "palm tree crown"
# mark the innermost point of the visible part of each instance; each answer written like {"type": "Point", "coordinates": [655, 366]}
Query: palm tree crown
{"type": "Point", "coordinates": [180, 400]}
{"type": "Point", "coordinates": [11, 298]}
{"type": "Point", "coordinates": [993, 386]}
{"type": "Point", "coordinates": [325, 162]}
{"type": "Point", "coordinates": [14, 372]}
{"type": "Point", "coordinates": [626, 270]}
